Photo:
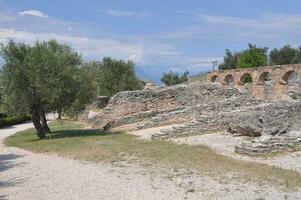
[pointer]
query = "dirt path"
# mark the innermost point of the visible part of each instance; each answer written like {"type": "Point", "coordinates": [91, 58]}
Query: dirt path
{"type": "Point", "coordinates": [25, 175]}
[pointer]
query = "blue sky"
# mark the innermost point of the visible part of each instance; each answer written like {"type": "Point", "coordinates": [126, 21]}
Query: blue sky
{"type": "Point", "coordinates": [157, 35]}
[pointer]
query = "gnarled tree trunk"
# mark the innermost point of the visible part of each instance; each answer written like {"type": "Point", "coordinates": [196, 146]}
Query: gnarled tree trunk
{"type": "Point", "coordinates": [44, 121]}
{"type": "Point", "coordinates": [59, 114]}
{"type": "Point", "coordinates": [36, 119]}
{"type": "Point", "coordinates": [36, 111]}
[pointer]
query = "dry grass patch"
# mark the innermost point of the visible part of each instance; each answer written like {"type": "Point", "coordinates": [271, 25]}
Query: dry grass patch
{"type": "Point", "coordinates": [68, 139]}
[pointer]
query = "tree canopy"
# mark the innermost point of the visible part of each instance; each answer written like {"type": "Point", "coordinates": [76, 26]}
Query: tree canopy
{"type": "Point", "coordinates": [111, 76]}
{"type": "Point", "coordinates": [230, 60]}
{"type": "Point", "coordinates": [39, 78]}
{"type": "Point", "coordinates": [285, 55]}
{"type": "Point", "coordinates": [49, 76]}
{"type": "Point", "coordinates": [256, 57]}
{"type": "Point", "coordinates": [172, 78]}
{"type": "Point", "coordinates": [87, 88]}
{"type": "Point", "coordinates": [252, 57]}
{"type": "Point", "coordinates": [117, 76]}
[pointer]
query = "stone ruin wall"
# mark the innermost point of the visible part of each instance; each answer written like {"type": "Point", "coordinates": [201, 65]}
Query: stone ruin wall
{"type": "Point", "coordinates": [196, 107]}
{"type": "Point", "coordinates": [270, 82]}
{"type": "Point", "coordinates": [177, 104]}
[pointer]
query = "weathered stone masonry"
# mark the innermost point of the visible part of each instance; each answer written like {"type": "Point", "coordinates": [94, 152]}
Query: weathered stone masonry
{"type": "Point", "coordinates": [267, 82]}
{"type": "Point", "coordinates": [197, 107]}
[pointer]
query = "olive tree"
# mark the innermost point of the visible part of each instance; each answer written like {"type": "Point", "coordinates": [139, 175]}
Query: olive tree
{"type": "Point", "coordinates": [116, 76]}
{"type": "Point", "coordinates": [39, 78]}
{"type": "Point", "coordinates": [87, 84]}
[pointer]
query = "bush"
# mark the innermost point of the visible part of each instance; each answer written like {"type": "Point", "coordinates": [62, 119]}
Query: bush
{"type": "Point", "coordinates": [173, 78]}
{"type": "Point", "coordinates": [9, 121]}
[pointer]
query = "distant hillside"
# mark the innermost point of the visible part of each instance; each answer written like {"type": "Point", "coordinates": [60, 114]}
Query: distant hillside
{"type": "Point", "coordinates": [155, 73]}
{"type": "Point", "coordinates": [148, 73]}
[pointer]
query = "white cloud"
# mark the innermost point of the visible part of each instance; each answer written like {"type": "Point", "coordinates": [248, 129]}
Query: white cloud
{"type": "Point", "coordinates": [145, 54]}
{"type": "Point", "coordinates": [89, 47]}
{"type": "Point", "coordinates": [266, 27]}
{"type": "Point", "coordinates": [266, 21]}
{"type": "Point", "coordinates": [34, 13]}
{"type": "Point", "coordinates": [124, 13]}
{"type": "Point", "coordinates": [153, 54]}
{"type": "Point", "coordinates": [135, 58]}
{"type": "Point", "coordinates": [193, 64]}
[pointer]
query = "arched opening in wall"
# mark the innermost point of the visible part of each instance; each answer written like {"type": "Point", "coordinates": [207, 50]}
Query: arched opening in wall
{"type": "Point", "coordinates": [229, 79]}
{"type": "Point", "coordinates": [246, 79]}
{"type": "Point", "coordinates": [265, 78]}
{"type": "Point", "coordinates": [293, 81]}
{"type": "Point", "coordinates": [214, 79]}
{"type": "Point", "coordinates": [268, 87]}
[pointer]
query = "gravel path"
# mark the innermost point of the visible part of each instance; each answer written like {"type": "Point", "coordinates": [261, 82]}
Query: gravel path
{"type": "Point", "coordinates": [29, 176]}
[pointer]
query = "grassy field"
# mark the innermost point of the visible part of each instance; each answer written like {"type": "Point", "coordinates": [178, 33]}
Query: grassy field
{"type": "Point", "coordinates": [68, 139]}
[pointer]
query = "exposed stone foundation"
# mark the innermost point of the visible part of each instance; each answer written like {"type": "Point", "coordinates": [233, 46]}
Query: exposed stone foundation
{"type": "Point", "coordinates": [197, 107]}
{"type": "Point", "coordinates": [270, 144]}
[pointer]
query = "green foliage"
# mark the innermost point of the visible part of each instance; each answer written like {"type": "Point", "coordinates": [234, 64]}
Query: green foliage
{"type": "Point", "coordinates": [63, 83]}
{"type": "Point", "coordinates": [38, 78]}
{"type": "Point", "coordinates": [112, 76]}
{"type": "Point", "coordinates": [51, 77]}
{"type": "Point", "coordinates": [257, 57]}
{"type": "Point", "coordinates": [247, 79]}
{"type": "Point", "coordinates": [285, 55]}
{"type": "Point", "coordinates": [14, 95]}
{"type": "Point", "coordinates": [117, 76]}
{"type": "Point", "coordinates": [230, 60]}
{"type": "Point", "coordinates": [87, 79]}
{"type": "Point", "coordinates": [172, 78]}
{"type": "Point", "coordinates": [9, 121]}
{"type": "Point", "coordinates": [47, 69]}
{"type": "Point", "coordinates": [252, 57]}
{"type": "Point", "coordinates": [103, 78]}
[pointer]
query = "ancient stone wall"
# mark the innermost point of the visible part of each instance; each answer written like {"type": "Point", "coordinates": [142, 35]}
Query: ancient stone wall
{"type": "Point", "coordinates": [196, 107]}
{"type": "Point", "coordinates": [176, 104]}
{"type": "Point", "coordinates": [267, 82]}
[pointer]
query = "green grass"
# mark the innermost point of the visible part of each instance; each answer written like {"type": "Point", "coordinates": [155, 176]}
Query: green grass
{"type": "Point", "coordinates": [68, 139]}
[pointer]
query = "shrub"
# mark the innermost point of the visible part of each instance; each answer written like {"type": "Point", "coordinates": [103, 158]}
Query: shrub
{"type": "Point", "coordinates": [9, 121]}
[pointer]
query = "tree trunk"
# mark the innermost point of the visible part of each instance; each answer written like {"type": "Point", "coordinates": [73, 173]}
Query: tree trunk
{"type": "Point", "coordinates": [35, 116]}
{"type": "Point", "coordinates": [60, 114]}
{"type": "Point", "coordinates": [44, 121]}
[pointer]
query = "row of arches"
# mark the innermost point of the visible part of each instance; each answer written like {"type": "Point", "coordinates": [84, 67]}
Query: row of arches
{"type": "Point", "coordinates": [289, 78]}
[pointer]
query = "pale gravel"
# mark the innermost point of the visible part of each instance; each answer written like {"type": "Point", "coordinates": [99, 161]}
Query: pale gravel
{"type": "Point", "coordinates": [29, 176]}
{"type": "Point", "coordinates": [224, 143]}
